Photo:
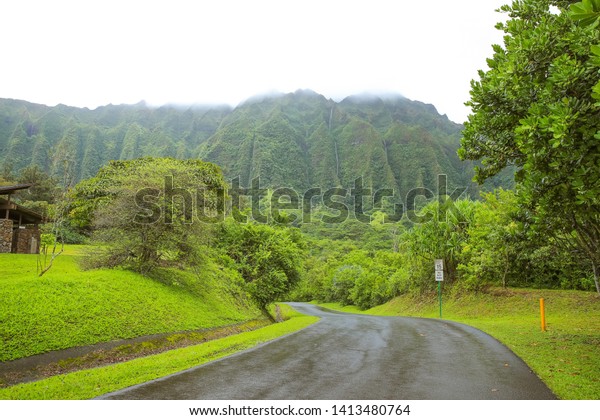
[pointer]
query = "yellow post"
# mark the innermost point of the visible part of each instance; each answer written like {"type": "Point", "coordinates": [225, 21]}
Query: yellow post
{"type": "Point", "coordinates": [543, 314]}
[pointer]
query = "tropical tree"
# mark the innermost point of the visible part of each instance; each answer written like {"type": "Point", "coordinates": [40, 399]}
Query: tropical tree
{"type": "Point", "coordinates": [149, 210]}
{"type": "Point", "coordinates": [268, 258]}
{"type": "Point", "coordinates": [43, 185]}
{"type": "Point", "coordinates": [441, 235]}
{"type": "Point", "coordinates": [492, 248]}
{"type": "Point", "coordinates": [535, 108]}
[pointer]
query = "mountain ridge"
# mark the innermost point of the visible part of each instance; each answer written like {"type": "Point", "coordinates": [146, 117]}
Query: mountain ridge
{"type": "Point", "coordinates": [298, 140]}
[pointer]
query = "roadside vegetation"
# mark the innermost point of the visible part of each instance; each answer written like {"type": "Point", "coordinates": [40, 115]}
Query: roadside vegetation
{"type": "Point", "coordinates": [565, 357]}
{"type": "Point", "coordinates": [91, 383]}
{"type": "Point", "coordinates": [483, 243]}
{"type": "Point", "coordinates": [70, 307]}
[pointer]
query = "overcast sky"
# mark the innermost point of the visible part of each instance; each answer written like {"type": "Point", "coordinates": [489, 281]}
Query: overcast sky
{"type": "Point", "coordinates": [91, 53]}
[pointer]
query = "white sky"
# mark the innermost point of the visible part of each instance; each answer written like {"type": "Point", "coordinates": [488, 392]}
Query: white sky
{"type": "Point", "coordinates": [91, 53]}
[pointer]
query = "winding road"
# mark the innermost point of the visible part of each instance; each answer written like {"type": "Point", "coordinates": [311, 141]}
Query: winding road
{"type": "Point", "coordinates": [350, 357]}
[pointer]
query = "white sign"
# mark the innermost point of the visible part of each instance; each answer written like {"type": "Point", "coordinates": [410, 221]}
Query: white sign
{"type": "Point", "coordinates": [439, 270]}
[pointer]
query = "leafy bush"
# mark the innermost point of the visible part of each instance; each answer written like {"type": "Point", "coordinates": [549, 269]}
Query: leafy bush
{"type": "Point", "coordinates": [268, 258]}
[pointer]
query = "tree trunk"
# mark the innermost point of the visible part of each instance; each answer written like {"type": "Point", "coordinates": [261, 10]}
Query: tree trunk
{"type": "Point", "coordinates": [278, 316]}
{"type": "Point", "coordinates": [588, 239]}
{"type": "Point", "coordinates": [266, 313]}
{"type": "Point", "coordinates": [596, 274]}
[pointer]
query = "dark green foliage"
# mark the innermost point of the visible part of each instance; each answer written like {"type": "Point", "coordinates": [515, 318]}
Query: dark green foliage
{"type": "Point", "coordinates": [371, 236]}
{"type": "Point", "coordinates": [536, 108]}
{"type": "Point", "coordinates": [441, 235]}
{"type": "Point", "coordinates": [337, 270]}
{"type": "Point", "coordinates": [483, 243]}
{"type": "Point", "coordinates": [43, 186]}
{"type": "Point", "coordinates": [269, 259]}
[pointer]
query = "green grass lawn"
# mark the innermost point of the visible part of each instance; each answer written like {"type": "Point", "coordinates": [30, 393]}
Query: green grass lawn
{"type": "Point", "coordinates": [566, 357]}
{"type": "Point", "coordinates": [69, 307]}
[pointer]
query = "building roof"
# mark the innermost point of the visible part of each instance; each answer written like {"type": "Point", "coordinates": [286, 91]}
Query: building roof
{"type": "Point", "coordinates": [19, 213]}
{"type": "Point", "coordinates": [9, 189]}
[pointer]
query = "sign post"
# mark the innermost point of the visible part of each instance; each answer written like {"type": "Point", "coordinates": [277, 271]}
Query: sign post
{"type": "Point", "coordinates": [439, 277]}
{"type": "Point", "coordinates": [543, 314]}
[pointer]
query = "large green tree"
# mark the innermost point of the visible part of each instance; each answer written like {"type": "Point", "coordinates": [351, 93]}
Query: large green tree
{"type": "Point", "coordinates": [490, 251]}
{"type": "Point", "coordinates": [268, 258]}
{"type": "Point", "coordinates": [43, 185]}
{"type": "Point", "coordinates": [535, 109]}
{"type": "Point", "coordinates": [150, 210]}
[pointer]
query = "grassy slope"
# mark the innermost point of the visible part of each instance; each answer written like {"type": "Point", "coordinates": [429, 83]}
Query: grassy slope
{"type": "Point", "coordinates": [566, 357]}
{"type": "Point", "coordinates": [94, 382]}
{"type": "Point", "coordinates": [68, 307]}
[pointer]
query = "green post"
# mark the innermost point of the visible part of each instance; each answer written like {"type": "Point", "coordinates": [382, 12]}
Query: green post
{"type": "Point", "coordinates": [440, 296]}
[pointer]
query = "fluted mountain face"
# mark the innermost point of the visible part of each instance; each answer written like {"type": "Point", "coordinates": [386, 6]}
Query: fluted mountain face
{"type": "Point", "coordinates": [41, 135]}
{"type": "Point", "coordinates": [299, 140]}
{"type": "Point", "coordinates": [303, 140]}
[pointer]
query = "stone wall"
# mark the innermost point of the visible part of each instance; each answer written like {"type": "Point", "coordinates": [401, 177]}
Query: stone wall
{"type": "Point", "coordinates": [27, 240]}
{"type": "Point", "coordinates": [6, 234]}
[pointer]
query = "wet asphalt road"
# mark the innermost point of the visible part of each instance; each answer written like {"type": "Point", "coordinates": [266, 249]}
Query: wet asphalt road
{"type": "Point", "coordinates": [347, 356]}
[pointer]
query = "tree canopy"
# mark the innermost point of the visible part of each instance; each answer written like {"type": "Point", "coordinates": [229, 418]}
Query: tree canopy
{"type": "Point", "coordinates": [537, 108]}
{"type": "Point", "coordinates": [269, 259]}
{"type": "Point", "coordinates": [149, 209]}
